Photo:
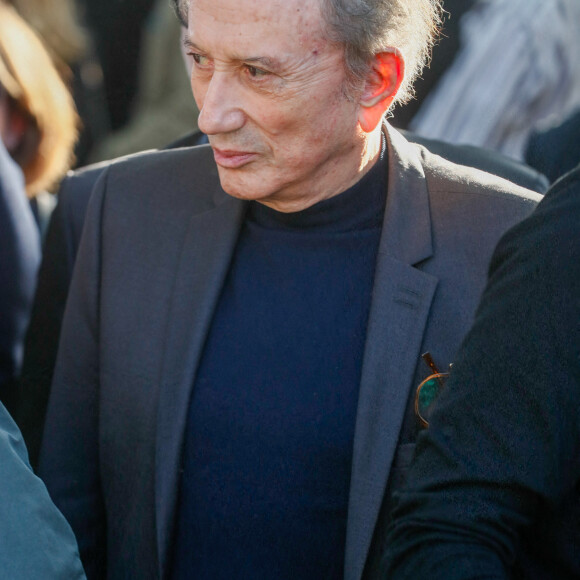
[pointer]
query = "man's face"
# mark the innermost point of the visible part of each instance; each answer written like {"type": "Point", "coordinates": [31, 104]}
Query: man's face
{"type": "Point", "coordinates": [270, 89]}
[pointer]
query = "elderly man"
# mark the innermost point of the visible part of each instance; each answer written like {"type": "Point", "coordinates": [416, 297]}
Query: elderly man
{"type": "Point", "coordinates": [246, 319]}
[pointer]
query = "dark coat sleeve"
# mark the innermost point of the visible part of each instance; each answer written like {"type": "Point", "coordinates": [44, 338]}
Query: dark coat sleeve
{"type": "Point", "coordinates": [494, 485]}
{"type": "Point", "coordinates": [556, 150]}
{"type": "Point", "coordinates": [19, 260]}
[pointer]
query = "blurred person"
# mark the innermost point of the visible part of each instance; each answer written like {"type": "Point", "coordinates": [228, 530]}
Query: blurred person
{"type": "Point", "coordinates": [444, 52]}
{"type": "Point", "coordinates": [116, 27]}
{"type": "Point", "coordinates": [19, 259]}
{"type": "Point", "coordinates": [555, 150]}
{"type": "Point", "coordinates": [71, 46]}
{"type": "Point", "coordinates": [245, 319]}
{"type": "Point", "coordinates": [38, 130]}
{"type": "Point", "coordinates": [163, 108]}
{"type": "Point", "coordinates": [38, 105]}
{"type": "Point", "coordinates": [517, 71]}
{"type": "Point", "coordinates": [56, 22]}
{"type": "Point", "coordinates": [494, 490]}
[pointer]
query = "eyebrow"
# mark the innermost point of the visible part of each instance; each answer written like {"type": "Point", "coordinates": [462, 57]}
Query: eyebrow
{"type": "Point", "coordinates": [189, 45]}
{"type": "Point", "coordinates": [263, 60]}
{"type": "Point", "coordinates": [266, 61]}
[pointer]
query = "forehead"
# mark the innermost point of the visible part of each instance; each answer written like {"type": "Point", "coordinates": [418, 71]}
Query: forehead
{"type": "Point", "coordinates": [250, 24]}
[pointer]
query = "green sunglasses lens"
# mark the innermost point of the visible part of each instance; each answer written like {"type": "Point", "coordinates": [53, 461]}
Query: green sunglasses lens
{"type": "Point", "coordinates": [428, 394]}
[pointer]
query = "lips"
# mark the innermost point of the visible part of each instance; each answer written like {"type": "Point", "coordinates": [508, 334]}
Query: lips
{"type": "Point", "coordinates": [231, 158]}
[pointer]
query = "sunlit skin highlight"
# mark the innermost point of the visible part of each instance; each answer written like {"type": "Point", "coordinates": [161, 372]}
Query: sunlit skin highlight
{"type": "Point", "coordinates": [271, 92]}
{"type": "Point", "coordinates": [384, 82]}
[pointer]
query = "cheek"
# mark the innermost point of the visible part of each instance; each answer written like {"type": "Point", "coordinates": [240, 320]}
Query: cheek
{"type": "Point", "coordinates": [302, 134]}
{"type": "Point", "coordinates": [288, 119]}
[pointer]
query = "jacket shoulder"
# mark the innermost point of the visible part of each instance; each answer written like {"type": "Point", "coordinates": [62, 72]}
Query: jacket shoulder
{"type": "Point", "coordinates": [472, 209]}
{"type": "Point", "coordinates": [485, 159]}
{"type": "Point", "coordinates": [474, 186]}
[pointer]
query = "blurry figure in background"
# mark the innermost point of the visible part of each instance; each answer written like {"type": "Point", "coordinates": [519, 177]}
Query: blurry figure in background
{"type": "Point", "coordinates": [443, 54]}
{"type": "Point", "coordinates": [71, 49]}
{"type": "Point", "coordinates": [19, 260]}
{"type": "Point", "coordinates": [164, 109]}
{"type": "Point", "coordinates": [556, 150]}
{"type": "Point", "coordinates": [116, 27]}
{"type": "Point", "coordinates": [38, 130]}
{"type": "Point", "coordinates": [38, 105]}
{"type": "Point", "coordinates": [518, 70]}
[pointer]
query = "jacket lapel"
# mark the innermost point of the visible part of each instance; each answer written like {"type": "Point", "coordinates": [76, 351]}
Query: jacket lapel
{"type": "Point", "coordinates": [400, 307]}
{"type": "Point", "coordinates": [206, 254]}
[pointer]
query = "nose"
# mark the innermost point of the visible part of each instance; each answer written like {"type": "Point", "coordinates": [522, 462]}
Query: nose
{"type": "Point", "coordinates": [221, 110]}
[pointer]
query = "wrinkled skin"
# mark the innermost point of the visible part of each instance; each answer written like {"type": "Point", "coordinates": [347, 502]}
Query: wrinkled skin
{"type": "Point", "coordinates": [271, 91]}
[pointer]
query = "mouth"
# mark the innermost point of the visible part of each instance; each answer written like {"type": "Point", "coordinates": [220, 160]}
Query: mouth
{"type": "Point", "coordinates": [231, 159]}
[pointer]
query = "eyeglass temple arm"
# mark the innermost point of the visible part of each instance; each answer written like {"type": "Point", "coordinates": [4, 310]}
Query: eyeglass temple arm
{"type": "Point", "coordinates": [430, 362]}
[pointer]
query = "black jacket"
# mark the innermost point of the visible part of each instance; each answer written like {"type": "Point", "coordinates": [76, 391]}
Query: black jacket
{"type": "Point", "coordinates": [494, 491]}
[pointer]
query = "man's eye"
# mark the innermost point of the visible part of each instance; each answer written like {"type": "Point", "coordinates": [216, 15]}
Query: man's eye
{"type": "Point", "coordinates": [200, 59]}
{"type": "Point", "coordinates": [255, 71]}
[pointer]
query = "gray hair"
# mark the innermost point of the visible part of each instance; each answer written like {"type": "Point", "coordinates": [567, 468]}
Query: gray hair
{"type": "Point", "coordinates": [180, 7]}
{"type": "Point", "coordinates": [368, 27]}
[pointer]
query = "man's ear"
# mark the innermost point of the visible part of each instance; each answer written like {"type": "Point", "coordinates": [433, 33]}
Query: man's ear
{"type": "Point", "coordinates": [381, 86]}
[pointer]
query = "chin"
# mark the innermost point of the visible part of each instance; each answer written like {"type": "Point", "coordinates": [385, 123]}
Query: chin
{"type": "Point", "coordinates": [242, 185]}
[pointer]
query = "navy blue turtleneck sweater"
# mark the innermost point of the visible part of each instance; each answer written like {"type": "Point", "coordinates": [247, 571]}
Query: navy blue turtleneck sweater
{"type": "Point", "coordinates": [268, 446]}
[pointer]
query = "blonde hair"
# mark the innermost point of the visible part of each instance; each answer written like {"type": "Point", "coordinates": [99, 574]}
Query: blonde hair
{"type": "Point", "coordinates": [36, 91]}
{"type": "Point", "coordinates": [57, 23]}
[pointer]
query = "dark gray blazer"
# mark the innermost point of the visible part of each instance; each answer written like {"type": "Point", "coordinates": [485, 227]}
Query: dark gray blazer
{"type": "Point", "coordinates": [62, 240]}
{"type": "Point", "coordinates": [156, 247]}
